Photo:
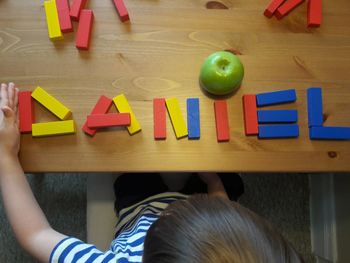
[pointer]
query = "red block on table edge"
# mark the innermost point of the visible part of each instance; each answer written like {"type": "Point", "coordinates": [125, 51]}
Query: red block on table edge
{"type": "Point", "coordinates": [84, 29]}
{"type": "Point", "coordinates": [76, 8]}
{"type": "Point", "coordinates": [159, 118]}
{"type": "Point", "coordinates": [64, 16]}
{"type": "Point", "coordinates": [26, 111]}
{"type": "Point", "coordinates": [314, 13]}
{"type": "Point", "coordinates": [121, 9]}
{"type": "Point", "coordinates": [272, 7]}
{"type": "Point", "coordinates": [221, 119]}
{"type": "Point", "coordinates": [250, 115]}
{"type": "Point", "coordinates": [108, 120]}
{"type": "Point", "coordinates": [287, 7]}
{"type": "Point", "coordinates": [102, 106]}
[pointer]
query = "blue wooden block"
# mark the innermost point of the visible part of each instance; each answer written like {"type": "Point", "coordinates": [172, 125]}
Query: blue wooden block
{"type": "Point", "coordinates": [276, 97]}
{"type": "Point", "coordinates": [193, 119]}
{"type": "Point", "coordinates": [329, 133]}
{"type": "Point", "coordinates": [278, 131]}
{"type": "Point", "coordinates": [314, 107]}
{"type": "Point", "coordinates": [277, 116]}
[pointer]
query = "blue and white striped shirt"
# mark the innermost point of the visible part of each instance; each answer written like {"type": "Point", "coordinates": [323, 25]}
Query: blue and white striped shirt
{"type": "Point", "coordinates": [131, 230]}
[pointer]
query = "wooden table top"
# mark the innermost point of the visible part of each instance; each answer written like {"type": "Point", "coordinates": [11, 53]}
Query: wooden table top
{"type": "Point", "coordinates": [159, 54]}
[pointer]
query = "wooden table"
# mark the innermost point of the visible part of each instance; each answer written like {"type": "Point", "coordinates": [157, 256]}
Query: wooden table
{"type": "Point", "coordinates": [159, 54]}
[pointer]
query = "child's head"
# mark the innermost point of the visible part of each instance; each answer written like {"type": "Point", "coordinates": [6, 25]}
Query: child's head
{"type": "Point", "coordinates": [206, 229]}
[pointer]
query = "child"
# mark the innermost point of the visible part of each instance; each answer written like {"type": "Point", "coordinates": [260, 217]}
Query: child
{"type": "Point", "coordinates": [154, 225]}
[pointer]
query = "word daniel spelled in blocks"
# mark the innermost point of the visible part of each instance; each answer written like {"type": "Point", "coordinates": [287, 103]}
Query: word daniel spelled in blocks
{"type": "Point", "coordinates": [266, 124]}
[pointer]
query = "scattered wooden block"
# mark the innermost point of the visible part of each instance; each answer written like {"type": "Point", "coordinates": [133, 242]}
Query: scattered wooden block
{"type": "Point", "coordinates": [51, 103]}
{"type": "Point", "coordinates": [95, 121]}
{"type": "Point", "coordinates": [76, 8]}
{"type": "Point", "coordinates": [250, 115]}
{"type": "Point", "coordinates": [26, 111]}
{"type": "Point", "coordinates": [159, 118]}
{"type": "Point", "coordinates": [193, 119]}
{"type": "Point", "coordinates": [53, 24]}
{"type": "Point", "coordinates": [276, 97]}
{"type": "Point", "coordinates": [329, 133]}
{"type": "Point", "coordinates": [314, 107]}
{"type": "Point", "coordinates": [63, 15]}
{"type": "Point", "coordinates": [176, 117]}
{"type": "Point", "coordinates": [84, 29]}
{"type": "Point", "coordinates": [314, 13]}
{"type": "Point", "coordinates": [278, 131]}
{"type": "Point", "coordinates": [287, 7]}
{"type": "Point", "coordinates": [121, 9]}
{"type": "Point", "coordinates": [102, 106]}
{"type": "Point", "coordinates": [272, 7]}
{"type": "Point", "coordinates": [221, 119]}
{"type": "Point", "coordinates": [123, 106]}
{"type": "Point", "coordinates": [277, 116]}
{"type": "Point", "coordinates": [53, 128]}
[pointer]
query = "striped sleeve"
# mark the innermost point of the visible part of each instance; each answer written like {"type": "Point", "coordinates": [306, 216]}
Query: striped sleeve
{"type": "Point", "coordinates": [74, 250]}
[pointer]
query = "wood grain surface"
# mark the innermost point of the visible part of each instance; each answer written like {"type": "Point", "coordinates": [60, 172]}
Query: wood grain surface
{"type": "Point", "coordinates": [159, 54]}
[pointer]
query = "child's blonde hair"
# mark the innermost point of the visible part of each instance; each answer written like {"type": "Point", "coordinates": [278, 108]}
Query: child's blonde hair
{"type": "Point", "coordinates": [207, 229]}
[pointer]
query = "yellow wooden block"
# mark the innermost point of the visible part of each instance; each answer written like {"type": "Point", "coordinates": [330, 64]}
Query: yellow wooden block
{"type": "Point", "coordinates": [123, 106]}
{"type": "Point", "coordinates": [53, 24]}
{"type": "Point", "coordinates": [51, 103]}
{"type": "Point", "coordinates": [53, 128]}
{"type": "Point", "coordinates": [176, 117]}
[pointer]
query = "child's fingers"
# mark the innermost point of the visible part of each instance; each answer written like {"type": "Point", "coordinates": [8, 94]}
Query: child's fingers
{"type": "Point", "coordinates": [16, 101]}
{"type": "Point", "coordinates": [8, 112]}
{"type": "Point", "coordinates": [3, 95]}
{"type": "Point", "coordinates": [11, 94]}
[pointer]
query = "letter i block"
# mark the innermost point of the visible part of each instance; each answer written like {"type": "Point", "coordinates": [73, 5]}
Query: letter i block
{"type": "Point", "coordinates": [250, 115]}
{"type": "Point", "coordinates": [51, 103]}
{"type": "Point", "coordinates": [63, 15]}
{"type": "Point", "coordinates": [26, 111]}
{"type": "Point", "coordinates": [121, 9]}
{"type": "Point", "coordinates": [76, 8]}
{"type": "Point", "coordinates": [222, 123]}
{"type": "Point", "coordinates": [177, 120]}
{"type": "Point", "coordinates": [159, 118]}
{"type": "Point", "coordinates": [193, 119]}
{"type": "Point", "coordinates": [102, 106]}
{"type": "Point", "coordinates": [314, 13]}
{"type": "Point", "coordinates": [53, 128]}
{"type": "Point", "coordinates": [84, 29]}
{"type": "Point", "coordinates": [123, 106]}
{"type": "Point", "coordinates": [53, 24]}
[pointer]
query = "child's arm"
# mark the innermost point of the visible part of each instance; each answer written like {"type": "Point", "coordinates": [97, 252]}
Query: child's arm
{"type": "Point", "coordinates": [26, 218]}
{"type": "Point", "coordinates": [214, 184]}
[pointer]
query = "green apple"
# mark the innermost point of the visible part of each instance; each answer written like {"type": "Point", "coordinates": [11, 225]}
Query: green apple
{"type": "Point", "coordinates": [221, 73]}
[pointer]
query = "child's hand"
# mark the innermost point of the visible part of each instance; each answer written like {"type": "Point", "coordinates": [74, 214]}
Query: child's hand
{"type": "Point", "coordinates": [9, 123]}
{"type": "Point", "coordinates": [214, 184]}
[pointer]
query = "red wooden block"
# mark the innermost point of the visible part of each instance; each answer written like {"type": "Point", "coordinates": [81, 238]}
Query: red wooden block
{"type": "Point", "coordinates": [314, 13]}
{"type": "Point", "coordinates": [159, 117]}
{"type": "Point", "coordinates": [222, 123]}
{"type": "Point", "coordinates": [287, 7]}
{"type": "Point", "coordinates": [272, 7]}
{"type": "Point", "coordinates": [63, 16]}
{"type": "Point", "coordinates": [108, 120]}
{"type": "Point", "coordinates": [76, 8]}
{"type": "Point", "coordinates": [84, 29]}
{"type": "Point", "coordinates": [250, 115]}
{"type": "Point", "coordinates": [26, 111]}
{"type": "Point", "coordinates": [102, 106]}
{"type": "Point", "coordinates": [121, 9]}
